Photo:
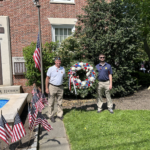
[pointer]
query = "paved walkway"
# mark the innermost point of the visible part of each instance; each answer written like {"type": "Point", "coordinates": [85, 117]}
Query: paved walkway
{"type": "Point", "coordinates": [56, 139]}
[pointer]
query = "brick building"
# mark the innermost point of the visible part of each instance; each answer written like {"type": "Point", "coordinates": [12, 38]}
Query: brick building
{"type": "Point", "coordinates": [19, 27]}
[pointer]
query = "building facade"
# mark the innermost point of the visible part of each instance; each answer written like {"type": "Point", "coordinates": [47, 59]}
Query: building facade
{"type": "Point", "coordinates": [19, 27]}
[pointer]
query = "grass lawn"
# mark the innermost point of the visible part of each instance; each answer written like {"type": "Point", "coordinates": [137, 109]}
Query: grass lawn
{"type": "Point", "coordinates": [123, 130]}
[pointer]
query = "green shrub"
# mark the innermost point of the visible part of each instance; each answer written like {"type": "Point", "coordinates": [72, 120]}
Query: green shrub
{"type": "Point", "coordinates": [33, 74]}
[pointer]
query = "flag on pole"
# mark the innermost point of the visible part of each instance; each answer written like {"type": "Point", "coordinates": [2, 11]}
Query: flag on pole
{"type": "Point", "coordinates": [7, 127]}
{"type": "Point", "coordinates": [3, 134]}
{"type": "Point", "coordinates": [38, 104]}
{"type": "Point", "coordinates": [33, 116]}
{"type": "Point", "coordinates": [43, 99]}
{"type": "Point", "coordinates": [29, 114]}
{"type": "Point", "coordinates": [18, 129]}
{"type": "Point", "coordinates": [36, 55]}
{"type": "Point", "coordinates": [41, 120]}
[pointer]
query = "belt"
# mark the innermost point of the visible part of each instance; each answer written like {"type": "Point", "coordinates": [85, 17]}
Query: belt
{"type": "Point", "coordinates": [104, 81]}
{"type": "Point", "coordinates": [55, 85]}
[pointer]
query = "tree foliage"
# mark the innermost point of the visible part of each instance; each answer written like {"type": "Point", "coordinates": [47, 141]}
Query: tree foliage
{"type": "Point", "coordinates": [107, 28]}
{"type": "Point", "coordinates": [141, 9]}
{"type": "Point", "coordinates": [33, 74]}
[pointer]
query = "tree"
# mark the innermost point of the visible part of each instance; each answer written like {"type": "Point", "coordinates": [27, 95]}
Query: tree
{"type": "Point", "coordinates": [140, 8]}
{"type": "Point", "coordinates": [108, 28]}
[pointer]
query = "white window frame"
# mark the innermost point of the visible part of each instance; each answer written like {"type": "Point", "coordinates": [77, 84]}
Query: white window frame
{"type": "Point", "coordinates": [62, 1]}
{"type": "Point", "coordinates": [61, 26]}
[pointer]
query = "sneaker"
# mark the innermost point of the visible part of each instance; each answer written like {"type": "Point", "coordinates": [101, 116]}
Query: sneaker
{"type": "Point", "coordinates": [52, 119]}
{"type": "Point", "coordinates": [99, 111]}
{"type": "Point", "coordinates": [111, 111]}
{"type": "Point", "coordinates": [61, 118]}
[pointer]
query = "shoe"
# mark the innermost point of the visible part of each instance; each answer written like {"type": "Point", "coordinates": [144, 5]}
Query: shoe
{"type": "Point", "coordinates": [111, 111]}
{"type": "Point", "coordinates": [61, 118]}
{"type": "Point", "coordinates": [99, 111]}
{"type": "Point", "coordinates": [52, 119]}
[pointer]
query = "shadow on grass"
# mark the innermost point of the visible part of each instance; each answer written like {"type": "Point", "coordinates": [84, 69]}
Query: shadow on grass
{"type": "Point", "coordinates": [91, 107]}
{"type": "Point", "coordinates": [116, 146]}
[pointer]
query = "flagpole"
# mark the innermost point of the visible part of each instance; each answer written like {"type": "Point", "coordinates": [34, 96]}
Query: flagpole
{"type": "Point", "coordinates": [42, 83]}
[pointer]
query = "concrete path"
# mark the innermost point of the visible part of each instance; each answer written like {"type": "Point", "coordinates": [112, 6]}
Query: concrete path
{"type": "Point", "coordinates": [56, 139]}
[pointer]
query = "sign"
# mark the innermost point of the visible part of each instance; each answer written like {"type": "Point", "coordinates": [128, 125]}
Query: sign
{"type": "Point", "coordinates": [19, 68]}
{"type": "Point", "coordinates": [1, 30]}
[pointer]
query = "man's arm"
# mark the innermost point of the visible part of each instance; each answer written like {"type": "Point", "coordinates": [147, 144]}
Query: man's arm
{"type": "Point", "coordinates": [46, 84]}
{"type": "Point", "coordinates": [110, 81]}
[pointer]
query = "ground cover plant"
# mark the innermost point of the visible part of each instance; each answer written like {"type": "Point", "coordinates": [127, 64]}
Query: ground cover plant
{"type": "Point", "coordinates": [125, 129]}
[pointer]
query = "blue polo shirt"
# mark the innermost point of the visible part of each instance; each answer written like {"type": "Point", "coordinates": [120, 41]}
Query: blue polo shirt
{"type": "Point", "coordinates": [104, 71]}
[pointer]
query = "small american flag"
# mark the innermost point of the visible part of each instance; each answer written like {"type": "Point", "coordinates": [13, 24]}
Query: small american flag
{"type": "Point", "coordinates": [36, 91]}
{"type": "Point", "coordinates": [29, 114]}
{"type": "Point", "coordinates": [41, 120]}
{"type": "Point", "coordinates": [18, 129]}
{"type": "Point", "coordinates": [3, 133]}
{"type": "Point", "coordinates": [7, 127]}
{"type": "Point", "coordinates": [33, 115]}
{"type": "Point", "coordinates": [38, 104]}
{"type": "Point", "coordinates": [36, 55]}
{"type": "Point", "coordinates": [43, 99]}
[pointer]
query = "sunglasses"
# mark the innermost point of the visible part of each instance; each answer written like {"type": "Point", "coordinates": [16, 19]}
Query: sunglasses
{"type": "Point", "coordinates": [101, 57]}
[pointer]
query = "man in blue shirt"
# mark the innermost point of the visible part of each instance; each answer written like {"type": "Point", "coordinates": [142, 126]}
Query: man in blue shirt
{"type": "Point", "coordinates": [105, 82]}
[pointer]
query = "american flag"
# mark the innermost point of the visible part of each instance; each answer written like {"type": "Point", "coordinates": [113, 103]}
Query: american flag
{"type": "Point", "coordinates": [3, 132]}
{"type": "Point", "coordinates": [18, 129]}
{"type": "Point", "coordinates": [33, 115]}
{"type": "Point", "coordinates": [41, 120]}
{"type": "Point", "coordinates": [29, 114]}
{"type": "Point", "coordinates": [43, 99]}
{"type": "Point", "coordinates": [36, 55]}
{"type": "Point", "coordinates": [36, 91]}
{"type": "Point", "coordinates": [7, 127]}
{"type": "Point", "coordinates": [38, 104]}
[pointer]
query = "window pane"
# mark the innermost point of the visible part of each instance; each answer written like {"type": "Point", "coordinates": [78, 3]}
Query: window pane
{"type": "Point", "coordinates": [65, 31]}
{"type": "Point", "coordinates": [61, 31]}
{"type": "Point", "coordinates": [56, 31]}
{"type": "Point", "coordinates": [65, 36]}
{"type": "Point", "coordinates": [57, 38]}
{"type": "Point", "coordinates": [69, 31]}
{"type": "Point", "coordinates": [61, 38]}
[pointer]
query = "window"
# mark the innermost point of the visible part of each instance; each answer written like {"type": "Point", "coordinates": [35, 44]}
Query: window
{"type": "Point", "coordinates": [65, 1]}
{"type": "Point", "coordinates": [59, 33]}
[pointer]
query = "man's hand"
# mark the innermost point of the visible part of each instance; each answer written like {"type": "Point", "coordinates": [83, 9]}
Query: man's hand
{"type": "Point", "coordinates": [47, 90]}
{"type": "Point", "coordinates": [110, 87]}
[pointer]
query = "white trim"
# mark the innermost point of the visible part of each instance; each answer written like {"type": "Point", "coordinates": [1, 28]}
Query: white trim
{"type": "Point", "coordinates": [60, 26]}
{"type": "Point", "coordinates": [62, 21]}
{"type": "Point", "coordinates": [62, 1]}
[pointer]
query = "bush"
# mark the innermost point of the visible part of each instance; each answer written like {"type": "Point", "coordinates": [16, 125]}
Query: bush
{"type": "Point", "coordinates": [33, 74]}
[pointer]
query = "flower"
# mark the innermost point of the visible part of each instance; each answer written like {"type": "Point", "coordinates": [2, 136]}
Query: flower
{"type": "Point", "coordinates": [85, 128]}
{"type": "Point", "coordinates": [149, 88]}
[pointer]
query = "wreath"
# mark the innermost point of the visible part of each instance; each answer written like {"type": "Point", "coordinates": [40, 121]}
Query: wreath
{"type": "Point", "coordinates": [74, 79]}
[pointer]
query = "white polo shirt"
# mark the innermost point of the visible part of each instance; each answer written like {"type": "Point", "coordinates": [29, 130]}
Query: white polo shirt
{"type": "Point", "coordinates": [56, 75]}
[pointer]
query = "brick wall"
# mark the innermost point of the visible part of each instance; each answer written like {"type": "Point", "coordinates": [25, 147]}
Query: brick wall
{"type": "Point", "coordinates": [23, 17]}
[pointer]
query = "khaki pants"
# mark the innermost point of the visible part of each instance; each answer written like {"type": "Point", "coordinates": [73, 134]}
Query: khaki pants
{"type": "Point", "coordinates": [105, 86]}
{"type": "Point", "coordinates": [58, 93]}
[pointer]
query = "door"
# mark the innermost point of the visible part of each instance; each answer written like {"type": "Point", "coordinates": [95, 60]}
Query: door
{"type": "Point", "coordinates": [1, 78]}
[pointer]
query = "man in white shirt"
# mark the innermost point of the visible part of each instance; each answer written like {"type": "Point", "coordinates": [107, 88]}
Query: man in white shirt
{"type": "Point", "coordinates": [54, 80]}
